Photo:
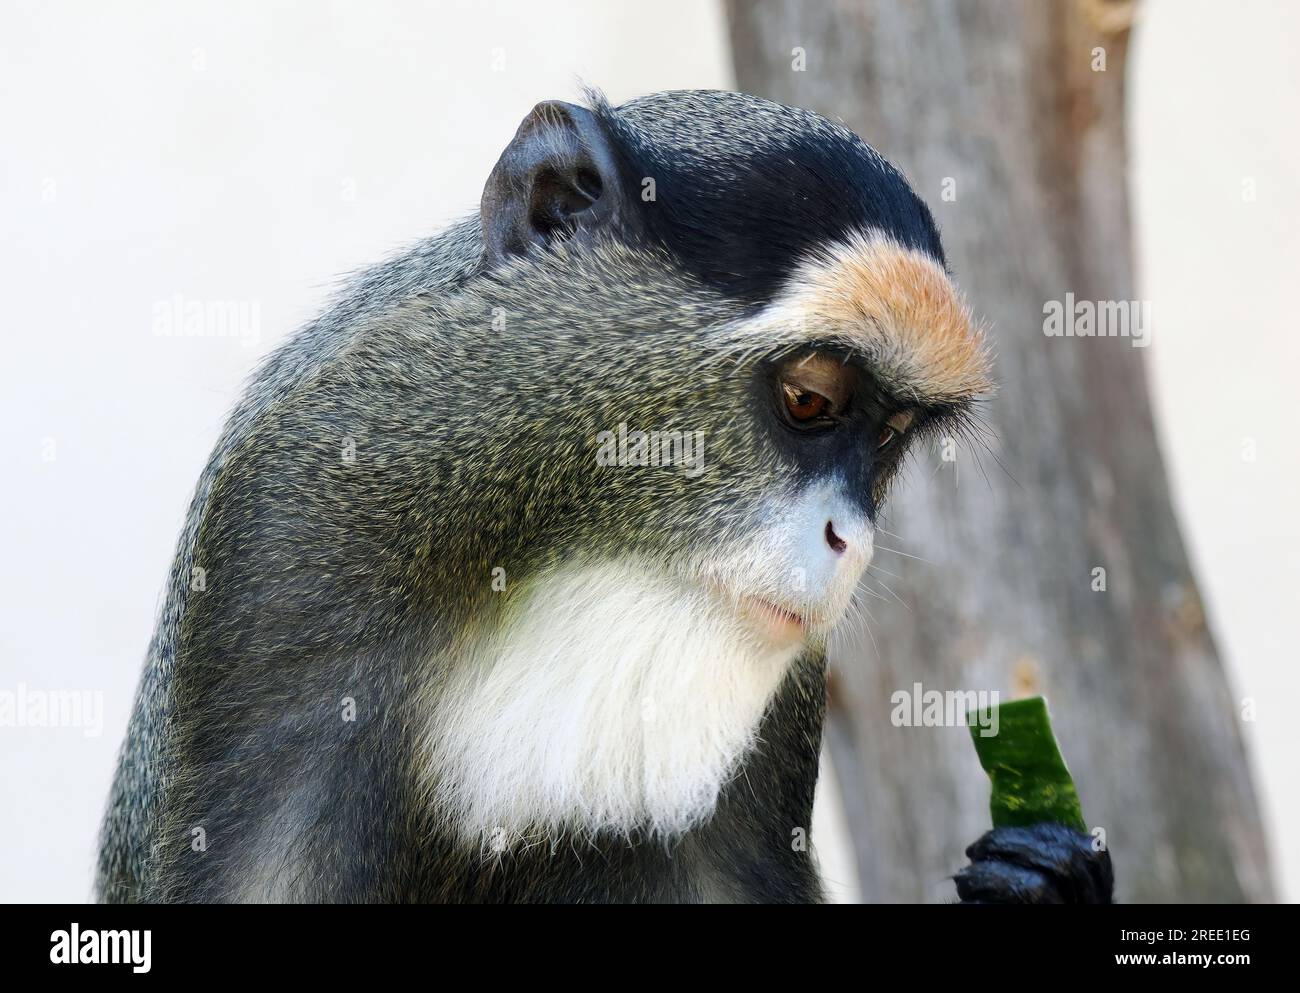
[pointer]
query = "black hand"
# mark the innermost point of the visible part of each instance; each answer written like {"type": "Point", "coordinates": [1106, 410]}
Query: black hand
{"type": "Point", "coordinates": [1043, 863]}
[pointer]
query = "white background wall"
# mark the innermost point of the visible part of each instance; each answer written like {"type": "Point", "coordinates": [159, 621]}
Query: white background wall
{"type": "Point", "coordinates": [1214, 108]}
{"type": "Point", "coordinates": [255, 151]}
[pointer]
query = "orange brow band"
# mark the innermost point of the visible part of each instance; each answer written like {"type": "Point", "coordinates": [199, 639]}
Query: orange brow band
{"type": "Point", "coordinates": [894, 305]}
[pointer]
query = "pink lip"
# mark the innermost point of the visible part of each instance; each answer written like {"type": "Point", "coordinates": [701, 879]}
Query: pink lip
{"type": "Point", "coordinates": [770, 607]}
{"type": "Point", "coordinates": [777, 618]}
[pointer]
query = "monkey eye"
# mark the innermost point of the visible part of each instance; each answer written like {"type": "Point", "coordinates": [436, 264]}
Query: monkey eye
{"type": "Point", "coordinates": [815, 390]}
{"type": "Point", "coordinates": [803, 404]}
{"type": "Point", "coordinates": [893, 429]}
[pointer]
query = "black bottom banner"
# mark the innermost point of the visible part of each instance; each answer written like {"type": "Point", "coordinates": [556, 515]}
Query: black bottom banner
{"type": "Point", "coordinates": [903, 944]}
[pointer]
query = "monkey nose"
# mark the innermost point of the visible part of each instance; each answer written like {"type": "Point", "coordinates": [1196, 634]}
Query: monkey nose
{"type": "Point", "coordinates": [838, 544]}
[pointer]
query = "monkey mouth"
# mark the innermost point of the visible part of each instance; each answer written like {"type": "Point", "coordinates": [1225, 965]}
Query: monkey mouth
{"type": "Point", "coordinates": [777, 623]}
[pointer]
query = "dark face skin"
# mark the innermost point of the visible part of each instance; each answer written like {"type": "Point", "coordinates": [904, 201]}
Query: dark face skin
{"type": "Point", "coordinates": [827, 414]}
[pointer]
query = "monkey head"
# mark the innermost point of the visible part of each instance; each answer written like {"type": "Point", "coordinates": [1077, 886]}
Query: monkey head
{"type": "Point", "coordinates": [735, 319]}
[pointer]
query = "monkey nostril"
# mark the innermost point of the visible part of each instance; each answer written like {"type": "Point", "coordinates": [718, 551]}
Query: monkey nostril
{"type": "Point", "coordinates": [834, 540]}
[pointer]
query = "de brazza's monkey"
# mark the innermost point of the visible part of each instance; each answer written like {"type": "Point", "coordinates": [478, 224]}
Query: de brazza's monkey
{"type": "Point", "coordinates": [510, 577]}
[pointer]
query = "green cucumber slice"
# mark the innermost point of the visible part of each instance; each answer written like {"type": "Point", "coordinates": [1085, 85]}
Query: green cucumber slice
{"type": "Point", "coordinates": [1031, 782]}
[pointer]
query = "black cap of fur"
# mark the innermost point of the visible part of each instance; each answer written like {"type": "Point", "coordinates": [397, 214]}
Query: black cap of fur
{"type": "Point", "coordinates": [745, 188]}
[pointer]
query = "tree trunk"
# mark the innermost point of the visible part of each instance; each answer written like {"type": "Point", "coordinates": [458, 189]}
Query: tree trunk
{"type": "Point", "coordinates": [1005, 106]}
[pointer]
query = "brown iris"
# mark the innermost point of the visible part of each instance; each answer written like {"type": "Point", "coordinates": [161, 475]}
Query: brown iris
{"type": "Point", "coordinates": [803, 404]}
{"type": "Point", "coordinates": [893, 428]}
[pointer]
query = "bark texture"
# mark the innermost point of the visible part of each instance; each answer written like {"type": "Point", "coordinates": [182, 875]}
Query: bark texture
{"type": "Point", "coordinates": [998, 101]}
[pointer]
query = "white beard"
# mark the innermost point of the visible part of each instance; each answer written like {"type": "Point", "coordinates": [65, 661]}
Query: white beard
{"type": "Point", "coordinates": [611, 697]}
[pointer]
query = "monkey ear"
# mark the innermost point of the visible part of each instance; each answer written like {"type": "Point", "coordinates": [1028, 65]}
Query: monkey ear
{"type": "Point", "coordinates": [556, 181]}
